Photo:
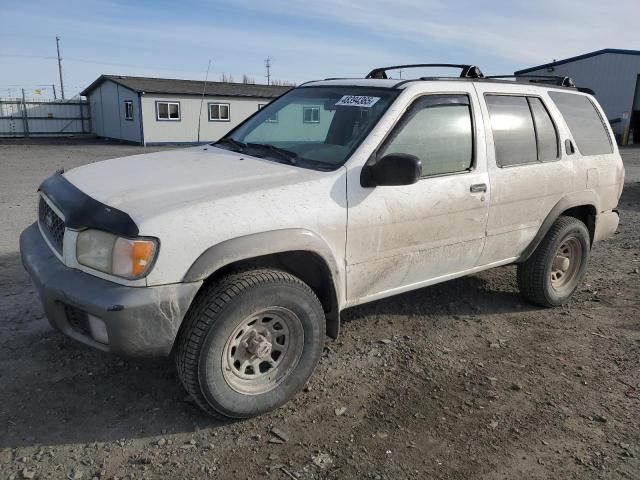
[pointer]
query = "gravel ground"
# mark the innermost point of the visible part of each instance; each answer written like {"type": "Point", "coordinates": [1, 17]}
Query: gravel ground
{"type": "Point", "coordinates": [460, 380]}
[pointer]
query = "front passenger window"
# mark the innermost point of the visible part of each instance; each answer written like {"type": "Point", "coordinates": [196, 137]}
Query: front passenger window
{"type": "Point", "coordinates": [438, 130]}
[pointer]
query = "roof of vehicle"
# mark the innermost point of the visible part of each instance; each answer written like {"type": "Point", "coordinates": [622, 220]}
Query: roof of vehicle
{"type": "Point", "coordinates": [379, 78]}
{"type": "Point", "coordinates": [404, 83]}
{"type": "Point", "coordinates": [189, 87]}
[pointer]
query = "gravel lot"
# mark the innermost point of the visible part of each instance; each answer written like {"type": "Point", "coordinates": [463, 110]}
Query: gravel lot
{"type": "Point", "coordinates": [460, 380]}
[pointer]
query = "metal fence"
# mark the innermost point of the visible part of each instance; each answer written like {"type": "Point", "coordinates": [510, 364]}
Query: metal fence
{"type": "Point", "coordinates": [24, 118]}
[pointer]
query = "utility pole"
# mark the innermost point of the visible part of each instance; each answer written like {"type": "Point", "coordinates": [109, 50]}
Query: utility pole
{"type": "Point", "coordinates": [401, 73]}
{"type": "Point", "coordinates": [267, 63]}
{"type": "Point", "coordinates": [60, 66]}
{"type": "Point", "coordinates": [53, 85]}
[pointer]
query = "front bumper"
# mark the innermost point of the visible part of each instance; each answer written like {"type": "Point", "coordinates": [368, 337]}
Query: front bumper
{"type": "Point", "coordinates": [138, 321]}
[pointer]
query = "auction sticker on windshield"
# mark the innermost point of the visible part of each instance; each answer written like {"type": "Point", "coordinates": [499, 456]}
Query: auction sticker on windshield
{"type": "Point", "coordinates": [357, 101]}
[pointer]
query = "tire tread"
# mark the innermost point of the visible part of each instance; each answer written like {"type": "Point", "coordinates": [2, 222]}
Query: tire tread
{"type": "Point", "coordinates": [530, 274]}
{"type": "Point", "coordinates": [209, 303]}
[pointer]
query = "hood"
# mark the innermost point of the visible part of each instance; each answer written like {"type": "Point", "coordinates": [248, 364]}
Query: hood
{"type": "Point", "coordinates": [143, 183]}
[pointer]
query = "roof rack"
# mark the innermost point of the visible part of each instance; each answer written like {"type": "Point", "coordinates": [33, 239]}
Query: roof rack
{"type": "Point", "coordinates": [558, 80]}
{"type": "Point", "coordinates": [467, 71]}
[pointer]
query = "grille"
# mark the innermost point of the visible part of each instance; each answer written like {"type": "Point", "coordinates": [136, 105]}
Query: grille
{"type": "Point", "coordinates": [51, 224]}
{"type": "Point", "coordinates": [78, 319]}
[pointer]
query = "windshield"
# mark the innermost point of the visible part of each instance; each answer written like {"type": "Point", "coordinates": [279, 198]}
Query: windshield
{"type": "Point", "coordinates": [313, 127]}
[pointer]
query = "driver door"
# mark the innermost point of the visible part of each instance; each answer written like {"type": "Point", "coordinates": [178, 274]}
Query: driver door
{"type": "Point", "coordinates": [404, 237]}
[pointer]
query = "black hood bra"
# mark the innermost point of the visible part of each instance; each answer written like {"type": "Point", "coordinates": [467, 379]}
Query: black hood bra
{"type": "Point", "coordinates": [80, 211]}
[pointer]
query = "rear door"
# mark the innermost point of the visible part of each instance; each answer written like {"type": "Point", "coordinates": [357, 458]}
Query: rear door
{"type": "Point", "coordinates": [403, 237]}
{"type": "Point", "coordinates": [528, 170]}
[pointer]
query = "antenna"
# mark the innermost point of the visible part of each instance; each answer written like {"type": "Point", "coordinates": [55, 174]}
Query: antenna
{"type": "Point", "coordinates": [204, 88]}
{"type": "Point", "coordinates": [60, 66]}
{"type": "Point", "coordinates": [267, 63]}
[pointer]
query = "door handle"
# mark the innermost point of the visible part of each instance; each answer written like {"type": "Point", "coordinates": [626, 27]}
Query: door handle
{"type": "Point", "coordinates": [478, 188]}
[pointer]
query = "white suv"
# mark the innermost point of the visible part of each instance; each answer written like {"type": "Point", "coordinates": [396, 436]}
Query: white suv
{"type": "Point", "coordinates": [237, 257]}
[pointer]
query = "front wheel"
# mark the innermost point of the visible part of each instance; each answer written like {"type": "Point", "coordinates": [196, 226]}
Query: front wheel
{"type": "Point", "coordinates": [558, 265]}
{"type": "Point", "coordinates": [250, 342]}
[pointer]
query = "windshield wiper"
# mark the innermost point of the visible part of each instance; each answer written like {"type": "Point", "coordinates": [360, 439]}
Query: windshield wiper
{"type": "Point", "coordinates": [239, 146]}
{"type": "Point", "coordinates": [287, 155]}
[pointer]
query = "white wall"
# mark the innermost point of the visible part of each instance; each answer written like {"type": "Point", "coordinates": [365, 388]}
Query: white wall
{"type": "Point", "coordinates": [107, 112]}
{"type": "Point", "coordinates": [186, 129]}
{"type": "Point", "coordinates": [290, 125]}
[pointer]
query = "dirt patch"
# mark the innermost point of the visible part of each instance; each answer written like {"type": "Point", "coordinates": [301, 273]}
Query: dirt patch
{"type": "Point", "coordinates": [459, 380]}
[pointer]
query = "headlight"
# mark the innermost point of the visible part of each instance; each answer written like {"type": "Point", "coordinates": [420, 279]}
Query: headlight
{"type": "Point", "coordinates": [124, 257]}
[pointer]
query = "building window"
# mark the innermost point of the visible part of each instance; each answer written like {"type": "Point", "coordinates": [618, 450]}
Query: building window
{"type": "Point", "coordinates": [219, 112]}
{"type": "Point", "coordinates": [168, 111]}
{"type": "Point", "coordinates": [273, 118]}
{"type": "Point", "coordinates": [128, 110]}
{"type": "Point", "coordinates": [311, 114]}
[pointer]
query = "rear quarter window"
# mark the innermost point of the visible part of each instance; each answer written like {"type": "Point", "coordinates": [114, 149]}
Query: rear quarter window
{"type": "Point", "coordinates": [584, 122]}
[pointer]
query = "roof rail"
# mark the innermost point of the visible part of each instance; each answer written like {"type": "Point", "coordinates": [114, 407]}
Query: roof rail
{"type": "Point", "coordinates": [467, 71]}
{"type": "Point", "coordinates": [558, 80]}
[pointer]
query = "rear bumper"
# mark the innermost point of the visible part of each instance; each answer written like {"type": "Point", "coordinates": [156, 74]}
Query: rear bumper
{"type": "Point", "coordinates": [137, 321]}
{"type": "Point", "coordinates": [606, 225]}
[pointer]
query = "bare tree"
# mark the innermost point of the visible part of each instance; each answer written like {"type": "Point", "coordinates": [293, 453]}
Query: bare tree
{"type": "Point", "coordinates": [283, 83]}
{"type": "Point", "coordinates": [226, 78]}
{"type": "Point", "coordinates": [248, 80]}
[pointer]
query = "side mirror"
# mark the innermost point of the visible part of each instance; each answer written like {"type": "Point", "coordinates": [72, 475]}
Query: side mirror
{"type": "Point", "coordinates": [392, 170]}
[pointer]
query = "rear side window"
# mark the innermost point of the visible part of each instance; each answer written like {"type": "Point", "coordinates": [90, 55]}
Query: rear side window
{"type": "Point", "coordinates": [514, 135]}
{"type": "Point", "coordinates": [584, 122]}
{"type": "Point", "coordinates": [546, 135]}
{"type": "Point", "coordinates": [438, 130]}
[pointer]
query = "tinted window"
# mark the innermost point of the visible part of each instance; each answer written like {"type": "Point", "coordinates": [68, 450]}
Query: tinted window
{"type": "Point", "coordinates": [316, 125]}
{"type": "Point", "coordinates": [513, 132]}
{"type": "Point", "coordinates": [438, 130]}
{"type": "Point", "coordinates": [585, 123]}
{"type": "Point", "coordinates": [546, 135]}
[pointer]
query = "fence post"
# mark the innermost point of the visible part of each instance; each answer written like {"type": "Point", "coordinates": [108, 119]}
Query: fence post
{"type": "Point", "coordinates": [25, 120]}
{"type": "Point", "coordinates": [89, 116]}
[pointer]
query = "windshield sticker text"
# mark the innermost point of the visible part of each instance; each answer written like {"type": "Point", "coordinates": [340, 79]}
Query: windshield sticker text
{"type": "Point", "coordinates": [357, 101]}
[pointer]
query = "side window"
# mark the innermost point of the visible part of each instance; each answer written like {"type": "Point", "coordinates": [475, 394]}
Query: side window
{"type": "Point", "coordinates": [546, 134]}
{"type": "Point", "coordinates": [438, 130]}
{"type": "Point", "coordinates": [219, 112]}
{"type": "Point", "coordinates": [514, 135]}
{"type": "Point", "coordinates": [311, 114]}
{"type": "Point", "coordinates": [168, 111]}
{"type": "Point", "coordinates": [584, 122]}
{"type": "Point", "coordinates": [273, 118]}
{"type": "Point", "coordinates": [128, 110]}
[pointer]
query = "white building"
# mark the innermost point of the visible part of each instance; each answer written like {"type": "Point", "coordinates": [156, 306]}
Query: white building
{"type": "Point", "coordinates": [160, 110]}
{"type": "Point", "coordinates": [614, 76]}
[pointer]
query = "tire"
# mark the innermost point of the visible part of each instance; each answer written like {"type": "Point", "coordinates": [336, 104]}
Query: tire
{"type": "Point", "coordinates": [230, 371]}
{"type": "Point", "coordinates": [546, 278]}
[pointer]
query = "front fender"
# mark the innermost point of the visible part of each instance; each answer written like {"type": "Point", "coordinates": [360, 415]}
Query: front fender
{"type": "Point", "coordinates": [273, 242]}
{"type": "Point", "coordinates": [259, 244]}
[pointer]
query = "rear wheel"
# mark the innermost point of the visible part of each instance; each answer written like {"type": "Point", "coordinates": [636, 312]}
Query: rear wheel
{"type": "Point", "coordinates": [558, 265]}
{"type": "Point", "coordinates": [250, 342]}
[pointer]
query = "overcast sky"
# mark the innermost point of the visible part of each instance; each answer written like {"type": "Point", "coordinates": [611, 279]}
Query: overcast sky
{"type": "Point", "coordinates": [306, 39]}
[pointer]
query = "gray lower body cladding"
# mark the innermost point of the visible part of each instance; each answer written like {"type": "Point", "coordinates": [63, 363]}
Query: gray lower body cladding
{"type": "Point", "coordinates": [137, 321]}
